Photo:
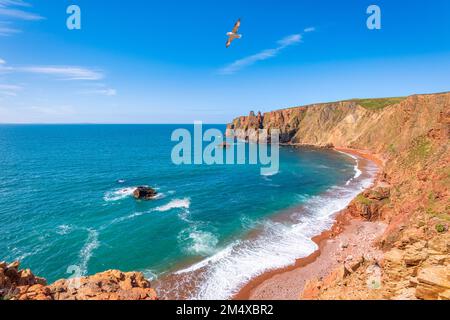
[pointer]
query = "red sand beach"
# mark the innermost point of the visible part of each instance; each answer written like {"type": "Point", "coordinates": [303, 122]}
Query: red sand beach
{"type": "Point", "coordinates": [348, 237]}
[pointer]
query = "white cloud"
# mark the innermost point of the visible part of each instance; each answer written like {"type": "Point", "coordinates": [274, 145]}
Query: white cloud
{"type": "Point", "coordinates": [263, 55]}
{"type": "Point", "coordinates": [64, 72]}
{"type": "Point", "coordinates": [290, 40]}
{"type": "Point", "coordinates": [61, 72]}
{"type": "Point", "coordinates": [9, 90]}
{"type": "Point", "coordinates": [310, 29]}
{"type": "Point", "coordinates": [15, 10]}
{"type": "Point", "coordinates": [20, 3]}
{"type": "Point", "coordinates": [19, 14]}
{"type": "Point", "coordinates": [7, 31]}
{"type": "Point", "coordinates": [106, 92]}
{"type": "Point", "coordinates": [53, 111]}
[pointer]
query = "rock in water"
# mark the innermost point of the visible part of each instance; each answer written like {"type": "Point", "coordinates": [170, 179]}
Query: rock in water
{"type": "Point", "coordinates": [144, 193]}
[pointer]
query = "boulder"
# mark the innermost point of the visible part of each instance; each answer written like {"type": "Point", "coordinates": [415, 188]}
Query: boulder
{"type": "Point", "coordinates": [144, 193]}
{"type": "Point", "coordinates": [109, 285]}
{"type": "Point", "coordinates": [433, 282]}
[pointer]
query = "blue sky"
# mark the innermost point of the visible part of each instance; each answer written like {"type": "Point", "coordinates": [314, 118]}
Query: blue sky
{"type": "Point", "coordinates": [141, 61]}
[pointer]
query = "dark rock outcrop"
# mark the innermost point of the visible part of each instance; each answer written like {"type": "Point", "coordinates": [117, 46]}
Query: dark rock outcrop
{"type": "Point", "coordinates": [144, 193]}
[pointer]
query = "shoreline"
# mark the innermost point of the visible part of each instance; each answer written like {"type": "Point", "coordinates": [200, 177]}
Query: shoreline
{"type": "Point", "coordinates": [342, 224]}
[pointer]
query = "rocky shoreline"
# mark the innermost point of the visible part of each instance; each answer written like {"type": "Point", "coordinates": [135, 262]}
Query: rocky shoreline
{"type": "Point", "coordinates": [410, 139]}
{"type": "Point", "coordinates": [343, 249]}
{"type": "Point", "coordinates": [16, 284]}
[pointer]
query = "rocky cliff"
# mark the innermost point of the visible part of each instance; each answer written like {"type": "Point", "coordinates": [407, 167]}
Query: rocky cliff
{"type": "Point", "coordinates": [16, 284]}
{"type": "Point", "coordinates": [411, 138]}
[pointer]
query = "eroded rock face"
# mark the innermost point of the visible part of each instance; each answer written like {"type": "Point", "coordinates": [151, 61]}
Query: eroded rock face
{"type": "Point", "coordinates": [412, 140]}
{"type": "Point", "coordinates": [144, 193]}
{"type": "Point", "coordinates": [433, 283]}
{"type": "Point", "coordinates": [18, 284]}
{"type": "Point", "coordinates": [15, 283]}
{"type": "Point", "coordinates": [109, 285]}
{"type": "Point", "coordinates": [370, 203]}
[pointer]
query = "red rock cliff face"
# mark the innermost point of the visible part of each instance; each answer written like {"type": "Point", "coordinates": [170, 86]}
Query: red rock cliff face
{"type": "Point", "coordinates": [350, 125]}
{"type": "Point", "coordinates": [16, 284]}
{"type": "Point", "coordinates": [411, 136]}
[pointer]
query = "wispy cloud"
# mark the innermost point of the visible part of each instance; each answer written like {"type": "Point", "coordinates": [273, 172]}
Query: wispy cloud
{"type": "Point", "coordinates": [20, 3]}
{"type": "Point", "coordinates": [87, 76]}
{"type": "Point", "coordinates": [19, 14]}
{"type": "Point", "coordinates": [64, 72]}
{"type": "Point", "coordinates": [16, 10]}
{"type": "Point", "coordinates": [7, 31]}
{"type": "Point", "coordinates": [59, 72]}
{"type": "Point", "coordinates": [9, 90]}
{"type": "Point", "coordinates": [310, 29]}
{"type": "Point", "coordinates": [263, 55]}
{"type": "Point", "coordinates": [8, 8]}
{"type": "Point", "coordinates": [53, 110]}
{"type": "Point", "coordinates": [105, 92]}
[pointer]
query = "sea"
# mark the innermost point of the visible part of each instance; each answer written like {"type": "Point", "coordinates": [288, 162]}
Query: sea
{"type": "Point", "coordinates": [67, 210]}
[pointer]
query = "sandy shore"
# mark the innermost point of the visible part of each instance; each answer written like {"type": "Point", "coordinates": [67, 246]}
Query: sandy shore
{"type": "Point", "coordinates": [348, 238]}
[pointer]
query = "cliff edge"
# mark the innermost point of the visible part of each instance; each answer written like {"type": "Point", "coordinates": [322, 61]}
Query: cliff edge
{"type": "Point", "coordinates": [411, 137]}
{"type": "Point", "coordinates": [16, 284]}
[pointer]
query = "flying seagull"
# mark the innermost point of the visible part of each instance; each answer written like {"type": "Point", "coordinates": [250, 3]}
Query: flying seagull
{"type": "Point", "coordinates": [234, 34]}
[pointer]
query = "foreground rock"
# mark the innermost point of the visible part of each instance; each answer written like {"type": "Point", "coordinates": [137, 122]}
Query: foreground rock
{"type": "Point", "coordinates": [109, 285]}
{"type": "Point", "coordinates": [14, 283]}
{"type": "Point", "coordinates": [144, 193]}
{"type": "Point", "coordinates": [18, 284]}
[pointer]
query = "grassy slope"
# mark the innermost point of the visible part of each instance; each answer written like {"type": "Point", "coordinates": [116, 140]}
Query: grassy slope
{"type": "Point", "coordinates": [378, 104]}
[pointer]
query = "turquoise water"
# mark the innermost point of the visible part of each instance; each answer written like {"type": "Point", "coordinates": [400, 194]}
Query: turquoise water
{"type": "Point", "coordinates": [65, 201]}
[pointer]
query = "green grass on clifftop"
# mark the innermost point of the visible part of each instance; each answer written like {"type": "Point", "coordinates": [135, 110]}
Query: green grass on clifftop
{"type": "Point", "coordinates": [378, 104]}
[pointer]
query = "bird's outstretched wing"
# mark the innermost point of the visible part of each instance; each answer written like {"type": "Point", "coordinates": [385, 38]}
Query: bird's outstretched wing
{"type": "Point", "coordinates": [236, 26]}
{"type": "Point", "coordinates": [230, 39]}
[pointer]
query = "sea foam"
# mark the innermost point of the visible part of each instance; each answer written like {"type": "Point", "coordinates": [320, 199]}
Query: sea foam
{"type": "Point", "coordinates": [119, 194]}
{"type": "Point", "coordinates": [176, 203]}
{"type": "Point", "coordinates": [279, 244]}
{"type": "Point", "coordinates": [86, 252]}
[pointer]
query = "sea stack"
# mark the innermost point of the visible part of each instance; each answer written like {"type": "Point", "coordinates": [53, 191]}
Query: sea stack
{"type": "Point", "coordinates": [144, 193]}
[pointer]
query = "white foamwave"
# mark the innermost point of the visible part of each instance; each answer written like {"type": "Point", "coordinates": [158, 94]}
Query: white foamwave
{"type": "Point", "coordinates": [129, 217]}
{"type": "Point", "coordinates": [119, 194]}
{"type": "Point", "coordinates": [279, 245]}
{"type": "Point", "coordinates": [358, 172]}
{"type": "Point", "coordinates": [149, 275]}
{"type": "Point", "coordinates": [63, 229]}
{"type": "Point", "coordinates": [86, 252]}
{"type": "Point", "coordinates": [174, 204]}
{"type": "Point", "coordinates": [198, 242]}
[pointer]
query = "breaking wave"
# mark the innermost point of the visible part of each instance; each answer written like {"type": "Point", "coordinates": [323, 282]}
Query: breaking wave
{"type": "Point", "coordinates": [278, 245]}
{"type": "Point", "coordinates": [86, 252]}
{"type": "Point", "coordinates": [176, 203]}
{"type": "Point", "coordinates": [119, 194]}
